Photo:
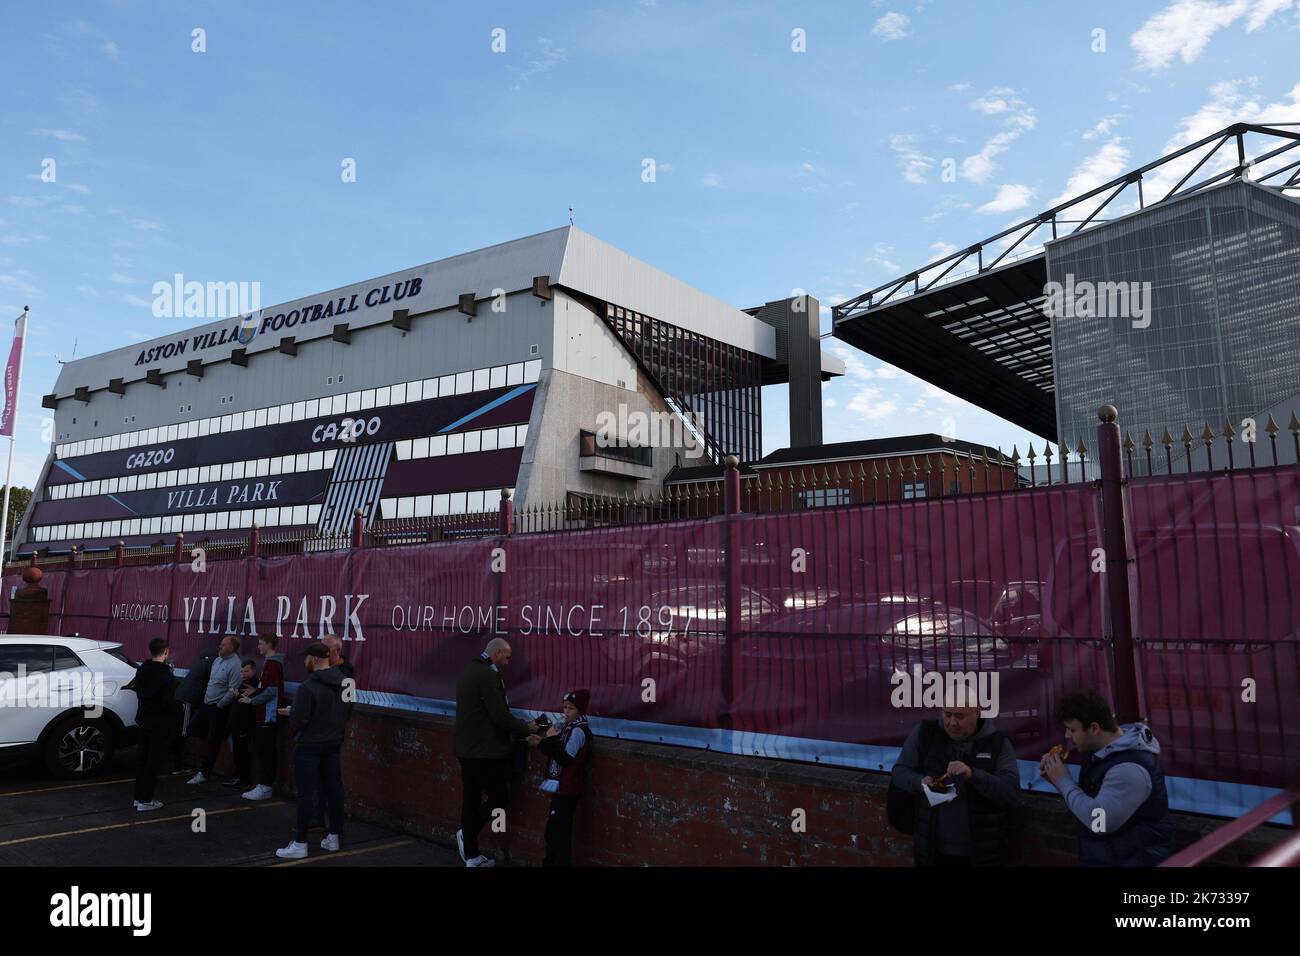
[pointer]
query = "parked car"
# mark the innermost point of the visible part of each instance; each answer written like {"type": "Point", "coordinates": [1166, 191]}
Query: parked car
{"type": "Point", "coordinates": [62, 700]}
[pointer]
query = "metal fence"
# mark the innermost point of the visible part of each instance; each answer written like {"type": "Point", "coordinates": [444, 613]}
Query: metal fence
{"type": "Point", "coordinates": [799, 632]}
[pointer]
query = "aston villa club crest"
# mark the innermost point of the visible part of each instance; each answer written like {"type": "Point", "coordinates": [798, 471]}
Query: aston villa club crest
{"type": "Point", "coordinates": [247, 329]}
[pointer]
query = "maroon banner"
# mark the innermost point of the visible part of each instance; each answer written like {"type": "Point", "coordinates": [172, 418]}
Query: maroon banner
{"type": "Point", "coordinates": [823, 626]}
{"type": "Point", "coordinates": [12, 369]}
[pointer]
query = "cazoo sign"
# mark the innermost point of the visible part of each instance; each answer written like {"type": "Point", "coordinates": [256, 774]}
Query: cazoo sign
{"type": "Point", "coordinates": [349, 429]}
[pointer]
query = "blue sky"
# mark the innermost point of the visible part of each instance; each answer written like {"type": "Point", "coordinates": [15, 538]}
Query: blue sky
{"type": "Point", "coordinates": [776, 170]}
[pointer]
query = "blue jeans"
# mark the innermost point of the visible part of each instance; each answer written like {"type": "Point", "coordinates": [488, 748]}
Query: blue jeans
{"type": "Point", "coordinates": [316, 770]}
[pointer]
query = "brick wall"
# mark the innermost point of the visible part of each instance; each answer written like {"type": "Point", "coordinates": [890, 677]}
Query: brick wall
{"type": "Point", "coordinates": [650, 804]}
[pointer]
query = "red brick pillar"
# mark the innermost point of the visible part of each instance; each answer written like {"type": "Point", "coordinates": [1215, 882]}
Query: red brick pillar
{"type": "Point", "coordinates": [29, 611]}
{"type": "Point", "coordinates": [358, 529]}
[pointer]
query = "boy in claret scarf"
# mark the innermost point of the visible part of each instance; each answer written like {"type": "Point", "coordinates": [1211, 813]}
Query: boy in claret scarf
{"type": "Point", "coordinates": [567, 748]}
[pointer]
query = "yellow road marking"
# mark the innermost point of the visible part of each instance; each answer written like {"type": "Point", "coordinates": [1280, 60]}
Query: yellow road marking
{"type": "Point", "coordinates": [137, 823]}
{"type": "Point", "coordinates": [71, 786]}
{"type": "Point", "coordinates": [339, 853]}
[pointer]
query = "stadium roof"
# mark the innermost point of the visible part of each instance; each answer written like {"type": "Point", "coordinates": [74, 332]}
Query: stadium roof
{"type": "Point", "coordinates": [982, 335]}
{"type": "Point", "coordinates": [567, 257]}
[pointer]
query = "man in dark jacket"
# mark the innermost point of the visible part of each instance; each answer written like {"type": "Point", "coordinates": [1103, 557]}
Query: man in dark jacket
{"type": "Point", "coordinates": [1120, 801]}
{"type": "Point", "coordinates": [189, 694]}
{"type": "Point", "coordinates": [317, 721]}
{"type": "Point", "coordinates": [484, 741]}
{"type": "Point", "coordinates": [980, 763]}
{"type": "Point", "coordinates": [154, 687]}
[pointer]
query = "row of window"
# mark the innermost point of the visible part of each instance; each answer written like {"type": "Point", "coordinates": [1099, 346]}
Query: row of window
{"type": "Point", "coordinates": [453, 503]}
{"type": "Point", "coordinates": [487, 439]}
{"type": "Point", "coordinates": [458, 383]}
{"type": "Point", "coordinates": [229, 471]}
{"type": "Point", "coordinates": [169, 524]}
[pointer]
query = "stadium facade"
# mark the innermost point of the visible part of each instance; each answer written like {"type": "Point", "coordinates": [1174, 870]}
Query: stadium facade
{"type": "Point", "coordinates": [548, 365]}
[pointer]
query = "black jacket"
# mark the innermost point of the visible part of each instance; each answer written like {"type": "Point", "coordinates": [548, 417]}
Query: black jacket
{"type": "Point", "coordinates": [195, 682]}
{"type": "Point", "coordinates": [154, 688]}
{"type": "Point", "coordinates": [485, 728]}
{"type": "Point", "coordinates": [319, 712]}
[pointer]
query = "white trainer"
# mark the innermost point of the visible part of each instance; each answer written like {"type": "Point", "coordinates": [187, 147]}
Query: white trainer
{"type": "Point", "coordinates": [145, 807]}
{"type": "Point", "coordinates": [460, 844]}
{"type": "Point", "coordinates": [481, 860]}
{"type": "Point", "coordinates": [331, 842]}
{"type": "Point", "coordinates": [197, 778]}
{"type": "Point", "coordinates": [294, 851]}
{"type": "Point", "coordinates": [260, 792]}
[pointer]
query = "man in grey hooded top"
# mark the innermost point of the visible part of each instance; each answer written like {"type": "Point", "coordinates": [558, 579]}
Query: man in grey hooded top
{"type": "Point", "coordinates": [1120, 801]}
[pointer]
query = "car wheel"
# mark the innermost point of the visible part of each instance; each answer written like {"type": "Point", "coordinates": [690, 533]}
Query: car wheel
{"type": "Point", "coordinates": [78, 747]}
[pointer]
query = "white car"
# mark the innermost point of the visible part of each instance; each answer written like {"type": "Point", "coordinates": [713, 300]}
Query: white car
{"type": "Point", "coordinates": [62, 701]}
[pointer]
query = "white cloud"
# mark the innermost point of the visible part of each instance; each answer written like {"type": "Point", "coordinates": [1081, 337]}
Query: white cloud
{"type": "Point", "coordinates": [63, 135]}
{"type": "Point", "coordinates": [121, 279]}
{"type": "Point", "coordinates": [26, 202]}
{"type": "Point", "coordinates": [870, 403]}
{"type": "Point", "coordinates": [1103, 128]}
{"type": "Point", "coordinates": [547, 58]}
{"type": "Point", "coordinates": [881, 255]}
{"type": "Point", "coordinates": [1010, 197]}
{"type": "Point", "coordinates": [111, 49]}
{"type": "Point", "coordinates": [942, 249]}
{"type": "Point", "coordinates": [892, 26]}
{"type": "Point", "coordinates": [147, 225]}
{"type": "Point", "coordinates": [1102, 166]}
{"type": "Point", "coordinates": [913, 162]}
{"type": "Point", "coordinates": [1019, 120]}
{"type": "Point", "coordinates": [78, 188]}
{"type": "Point", "coordinates": [1184, 29]}
{"type": "Point", "coordinates": [14, 282]}
{"type": "Point", "coordinates": [711, 180]}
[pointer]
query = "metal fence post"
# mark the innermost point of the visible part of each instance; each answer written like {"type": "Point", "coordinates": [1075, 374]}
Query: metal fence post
{"type": "Point", "coordinates": [507, 512]}
{"type": "Point", "coordinates": [1115, 542]}
{"type": "Point", "coordinates": [731, 508]}
{"type": "Point", "coordinates": [358, 529]}
{"type": "Point", "coordinates": [731, 487]}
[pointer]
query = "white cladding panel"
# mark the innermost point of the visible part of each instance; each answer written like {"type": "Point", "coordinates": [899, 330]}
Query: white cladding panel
{"type": "Point", "coordinates": [605, 272]}
{"type": "Point", "coordinates": [584, 345]}
{"type": "Point", "coordinates": [509, 266]}
{"type": "Point", "coordinates": [438, 344]}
